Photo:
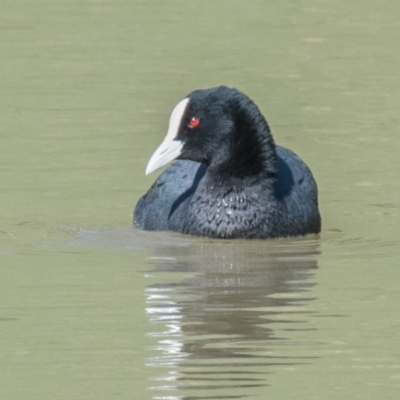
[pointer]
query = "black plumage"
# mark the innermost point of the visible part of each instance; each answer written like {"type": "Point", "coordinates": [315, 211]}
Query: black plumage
{"type": "Point", "coordinates": [231, 180]}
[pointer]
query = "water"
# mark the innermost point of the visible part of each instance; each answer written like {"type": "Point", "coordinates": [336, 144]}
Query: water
{"type": "Point", "coordinates": [91, 308]}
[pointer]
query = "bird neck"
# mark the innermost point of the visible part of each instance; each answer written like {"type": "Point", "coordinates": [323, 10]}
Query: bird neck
{"type": "Point", "coordinates": [251, 154]}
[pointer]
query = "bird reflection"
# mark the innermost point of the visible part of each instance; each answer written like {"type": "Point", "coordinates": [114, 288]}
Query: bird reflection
{"type": "Point", "coordinates": [212, 305]}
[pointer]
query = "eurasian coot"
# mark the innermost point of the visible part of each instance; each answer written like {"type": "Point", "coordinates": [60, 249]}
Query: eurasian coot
{"type": "Point", "coordinates": [230, 181]}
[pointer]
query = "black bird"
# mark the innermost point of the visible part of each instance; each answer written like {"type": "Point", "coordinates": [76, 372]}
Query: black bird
{"type": "Point", "coordinates": [230, 181]}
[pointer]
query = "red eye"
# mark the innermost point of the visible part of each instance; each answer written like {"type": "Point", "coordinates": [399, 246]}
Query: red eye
{"type": "Point", "coordinates": [194, 122]}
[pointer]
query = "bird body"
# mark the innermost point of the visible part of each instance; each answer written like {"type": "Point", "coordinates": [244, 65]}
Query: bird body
{"type": "Point", "coordinates": [231, 181]}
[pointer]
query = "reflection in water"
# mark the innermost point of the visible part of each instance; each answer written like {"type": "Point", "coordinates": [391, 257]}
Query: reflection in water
{"type": "Point", "coordinates": [213, 304]}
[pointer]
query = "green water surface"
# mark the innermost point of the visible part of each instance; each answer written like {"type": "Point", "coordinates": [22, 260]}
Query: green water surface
{"type": "Point", "coordinates": [91, 308]}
